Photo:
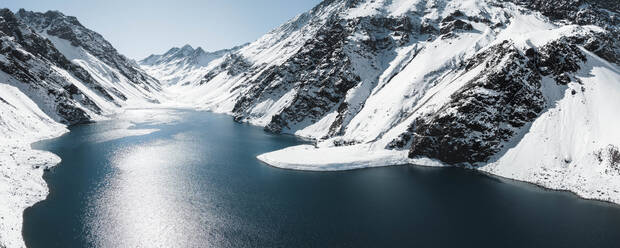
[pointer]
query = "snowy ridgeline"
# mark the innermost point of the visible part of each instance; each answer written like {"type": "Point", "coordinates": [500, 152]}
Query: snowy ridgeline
{"type": "Point", "coordinates": [522, 89]}
{"type": "Point", "coordinates": [53, 73]}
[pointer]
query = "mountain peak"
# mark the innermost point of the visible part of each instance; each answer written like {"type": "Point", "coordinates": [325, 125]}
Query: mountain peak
{"type": "Point", "coordinates": [48, 17]}
{"type": "Point", "coordinates": [187, 47]}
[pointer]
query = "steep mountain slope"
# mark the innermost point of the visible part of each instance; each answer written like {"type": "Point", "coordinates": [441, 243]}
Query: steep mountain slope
{"type": "Point", "coordinates": [122, 78]}
{"type": "Point", "coordinates": [52, 71]}
{"type": "Point", "coordinates": [32, 63]}
{"type": "Point", "coordinates": [473, 83]}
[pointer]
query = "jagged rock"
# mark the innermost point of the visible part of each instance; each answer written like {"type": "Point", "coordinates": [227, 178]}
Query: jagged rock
{"type": "Point", "coordinates": [487, 111]}
{"type": "Point", "coordinates": [30, 59]}
{"type": "Point", "coordinates": [69, 28]}
{"type": "Point", "coordinates": [44, 73]}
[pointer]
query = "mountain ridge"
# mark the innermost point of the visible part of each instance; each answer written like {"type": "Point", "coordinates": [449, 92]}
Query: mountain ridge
{"type": "Point", "coordinates": [192, 62]}
{"type": "Point", "coordinates": [55, 23]}
{"type": "Point", "coordinates": [463, 83]}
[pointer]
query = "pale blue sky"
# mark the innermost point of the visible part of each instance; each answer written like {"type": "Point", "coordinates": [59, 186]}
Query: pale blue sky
{"type": "Point", "coordinates": [138, 28]}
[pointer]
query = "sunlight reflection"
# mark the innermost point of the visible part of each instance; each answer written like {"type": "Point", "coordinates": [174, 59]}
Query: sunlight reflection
{"type": "Point", "coordinates": [146, 196]}
{"type": "Point", "coordinates": [152, 116]}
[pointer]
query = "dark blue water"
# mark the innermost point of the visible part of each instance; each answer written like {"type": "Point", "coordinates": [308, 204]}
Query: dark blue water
{"type": "Point", "coordinates": [196, 183]}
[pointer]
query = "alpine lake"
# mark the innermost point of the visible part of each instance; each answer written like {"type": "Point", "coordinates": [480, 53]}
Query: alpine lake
{"type": "Point", "coordinates": [184, 178]}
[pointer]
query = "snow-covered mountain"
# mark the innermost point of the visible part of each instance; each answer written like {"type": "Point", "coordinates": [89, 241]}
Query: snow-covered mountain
{"type": "Point", "coordinates": [120, 77]}
{"type": "Point", "coordinates": [182, 65]}
{"type": "Point", "coordinates": [526, 89]}
{"type": "Point", "coordinates": [53, 71]}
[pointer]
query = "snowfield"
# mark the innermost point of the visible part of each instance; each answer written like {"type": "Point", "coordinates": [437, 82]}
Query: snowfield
{"type": "Point", "coordinates": [560, 149]}
{"type": "Point", "coordinates": [309, 158]}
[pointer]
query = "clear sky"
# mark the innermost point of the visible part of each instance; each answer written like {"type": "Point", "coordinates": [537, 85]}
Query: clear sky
{"type": "Point", "coordinates": [138, 28]}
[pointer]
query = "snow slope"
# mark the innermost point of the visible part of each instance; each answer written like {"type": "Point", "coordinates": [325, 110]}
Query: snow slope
{"type": "Point", "coordinates": [491, 85]}
{"type": "Point", "coordinates": [562, 147]}
{"type": "Point", "coordinates": [21, 184]}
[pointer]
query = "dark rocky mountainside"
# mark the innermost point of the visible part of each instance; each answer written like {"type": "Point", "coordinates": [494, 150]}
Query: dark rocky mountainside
{"type": "Point", "coordinates": [29, 58]}
{"type": "Point", "coordinates": [505, 97]}
{"type": "Point", "coordinates": [69, 28]}
{"type": "Point", "coordinates": [62, 88]}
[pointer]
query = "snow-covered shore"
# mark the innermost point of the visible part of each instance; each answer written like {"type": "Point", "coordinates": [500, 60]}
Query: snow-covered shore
{"type": "Point", "coordinates": [21, 186]}
{"type": "Point", "coordinates": [595, 186]}
{"type": "Point", "coordinates": [46, 80]}
{"type": "Point", "coordinates": [570, 147]}
{"type": "Point", "coordinates": [309, 158]}
{"type": "Point", "coordinates": [21, 168]}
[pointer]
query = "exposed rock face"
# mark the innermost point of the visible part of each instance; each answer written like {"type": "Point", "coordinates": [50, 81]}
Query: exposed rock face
{"type": "Point", "coordinates": [582, 12]}
{"type": "Point", "coordinates": [63, 89]}
{"type": "Point", "coordinates": [454, 22]}
{"type": "Point", "coordinates": [602, 13]}
{"type": "Point", "coordinates": [69, 28]}
{"type": "Point", "coordinates": [484, 113]}
{"type": "Point", "coordinates": [487, 112]}
{"type": "Point", "coordinates": [609, 155]}
{"type": "Point", "coordinates": [29, 58]}
{"type": "Point", "coordinates": [320, 74]}
{"type": "Point", "coordinates": [491, 108]}
{"type": "Point", "coordinates": [504, 97]}
{"type": "Point", "coordinates": [232, 65]}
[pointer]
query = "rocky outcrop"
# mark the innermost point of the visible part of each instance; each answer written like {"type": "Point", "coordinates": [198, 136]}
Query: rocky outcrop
{"type": "Point", "coordinates": [320, 74]}
{"type": "Point", "coordinates": [602, 13]}
{"type": "Point", "coordinates": [69, 28]}
{"type": "Point", "coordinates": [65, 90]}
{"type": "Point", "coordinates": [490, 110]}
{"type": "Point", "coordinates": [582, 12]}
{"type": "Point", "coordinates": [609, 155]}
{"type": "Point", "coordinates": [504, 97]}
{"type": "Point", "coordinates": [30, 58]}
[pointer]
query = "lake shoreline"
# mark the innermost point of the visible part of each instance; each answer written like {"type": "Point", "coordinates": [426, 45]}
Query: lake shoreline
{"type": "Point", "coordinates": [173, 129]}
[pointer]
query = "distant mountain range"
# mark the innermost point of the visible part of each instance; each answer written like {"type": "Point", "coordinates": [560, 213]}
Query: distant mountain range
{"type": "Point", "coordinates": [182, 65]}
